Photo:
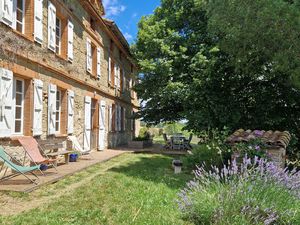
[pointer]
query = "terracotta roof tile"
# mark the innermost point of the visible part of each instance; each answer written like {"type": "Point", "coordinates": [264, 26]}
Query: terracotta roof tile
{"type": "Point", "coordinates": [273, 139]}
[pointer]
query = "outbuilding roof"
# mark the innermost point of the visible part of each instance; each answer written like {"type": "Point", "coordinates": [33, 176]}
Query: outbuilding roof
{"type": "Point", "coordinates": [273, 139]}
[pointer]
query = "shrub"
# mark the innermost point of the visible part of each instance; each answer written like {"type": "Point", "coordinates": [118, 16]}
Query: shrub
{"type": "Point", "coordinates": [211, 150]}
{"type": "Point", "coordinates": [254, 192]}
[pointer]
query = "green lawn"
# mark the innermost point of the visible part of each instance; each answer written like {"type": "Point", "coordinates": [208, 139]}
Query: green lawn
{"type": "Point", "coordinates": [130, 189]}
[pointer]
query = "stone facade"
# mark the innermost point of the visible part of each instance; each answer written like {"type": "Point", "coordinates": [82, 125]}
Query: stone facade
{"type": "Point", "coordinates": [30, 60]}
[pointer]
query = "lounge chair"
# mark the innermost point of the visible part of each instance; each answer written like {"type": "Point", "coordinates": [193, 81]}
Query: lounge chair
{"type": "Point", "coordinates": [33, 150]}
{"type": "Point", "coordinates": [76, 146]}
{"type": "Point", "coordinates": [19, 170]}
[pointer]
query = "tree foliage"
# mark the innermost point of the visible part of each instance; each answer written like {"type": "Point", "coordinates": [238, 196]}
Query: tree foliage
{"type": "Point", "coordinates": [218, 63]}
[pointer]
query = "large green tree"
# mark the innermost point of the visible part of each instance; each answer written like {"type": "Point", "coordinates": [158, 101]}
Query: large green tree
{"type": "Point", "coordinates": [221, 63]}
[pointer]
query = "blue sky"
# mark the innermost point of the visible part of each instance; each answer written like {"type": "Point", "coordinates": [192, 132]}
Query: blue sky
{"type": "Point", "coordinates": [127, 14]}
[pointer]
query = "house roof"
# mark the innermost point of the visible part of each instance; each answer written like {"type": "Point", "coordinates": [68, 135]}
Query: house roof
{"type": "Point", "coordinates": [273, 139]}
{"type": "Point", "coordinates": [115, 29]}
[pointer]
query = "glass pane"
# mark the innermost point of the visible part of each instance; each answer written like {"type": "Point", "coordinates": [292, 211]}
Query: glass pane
{"type": "Point", "coordinates": [19, 86]}
{"type": "Point", "coordinates": [57, 126]}
{"type": "Point", "coordinates": [20, 4]}
{"type": "Point", "coordinates": [18, 112]}
{"type": "Point", "coordinates": [19, 16]}
{"type": "Point", "coordinates": [18, 99]}
{"type": "Point", "coordinates": [57, 95]}
{"type": "Point", "coordinates": [19, 27]}
{"type": "Point", "coordinates": [17, 126]}
{"type": "Point", "coordinates": [57, 115]}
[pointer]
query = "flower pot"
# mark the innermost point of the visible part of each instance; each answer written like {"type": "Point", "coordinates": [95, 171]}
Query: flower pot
{"type": "Point", "coordinates": [73, 157]}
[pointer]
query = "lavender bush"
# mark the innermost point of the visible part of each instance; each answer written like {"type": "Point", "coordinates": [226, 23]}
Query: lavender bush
{"type": "Point", "coordinates": [253, 192]}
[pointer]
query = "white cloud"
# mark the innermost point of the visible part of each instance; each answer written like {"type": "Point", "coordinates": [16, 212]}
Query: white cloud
{"type": "Point", "coordinates": [128, 36]}
{"type": "Point", "coordinates": [113, 7]}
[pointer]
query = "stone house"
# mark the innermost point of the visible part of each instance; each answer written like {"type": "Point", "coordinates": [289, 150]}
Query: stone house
{"type": "Point", "coordinates": [64, 70]}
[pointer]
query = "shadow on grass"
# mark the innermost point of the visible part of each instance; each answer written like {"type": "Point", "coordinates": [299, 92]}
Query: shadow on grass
{"type": "Point", "coordinates": [155, 168]}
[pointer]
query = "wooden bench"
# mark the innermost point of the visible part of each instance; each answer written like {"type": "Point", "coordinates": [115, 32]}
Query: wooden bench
{"type": "Point", "coordinates": [54, 148]}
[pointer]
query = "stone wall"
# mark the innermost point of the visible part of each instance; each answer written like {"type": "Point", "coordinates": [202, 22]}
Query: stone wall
{"type": "Point", "coordinates": [32, 60]}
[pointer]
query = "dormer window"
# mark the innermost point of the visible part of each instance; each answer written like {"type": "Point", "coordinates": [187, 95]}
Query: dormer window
{"type": "Point", "coordinates": [93, 24]}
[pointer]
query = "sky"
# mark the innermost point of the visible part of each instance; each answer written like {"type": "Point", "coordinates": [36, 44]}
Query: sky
{"type": "Point", "coordinates": [127, 14]}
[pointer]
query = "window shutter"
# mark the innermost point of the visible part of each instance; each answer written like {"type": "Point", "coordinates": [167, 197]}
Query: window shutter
{"type": "Point", "coordinates": [109, 69]}
{"type": "Point", "coordinates": [101, 144]}
{"type": "Point", "coordinates": [88, 55]}
{"type": "Point", "coordinates": [8, 15]}
{"type": "Point", "coordinates": [70, 112]}
{"type": "Point", "coordinates": [38, 108]}
{"type": "Point", "coordinates": [124, 119]}
{"type": "Point", "coordinates": [70, 40]}
{"type": "Point", "coordinates": [98, 62]}
{"type": "Point", "coordinates": [6, 105]}
{"type": "Point", "coordinates": [51, 26]}
{"type": "Point", "coordinates": [38, 21]}
{"type": "Point", "coordinates": [87, 124]}
{"type": "Point", "coordinates": [110, 118]}
{"type": "Point", "coordinates": [120, 118]}
{"type": "Point", "coordinates": [116, 118]}
{"type": "Point", "coordinates": [51, 108]}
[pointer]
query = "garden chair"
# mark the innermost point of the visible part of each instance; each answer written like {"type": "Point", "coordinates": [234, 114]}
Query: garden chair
{"type": "Point", "coordinates": [76, 145]}
{"type": "Point", "coordinates": [33, 150]}
{"type": "Point", "coordinates": [187, 143]}
{"type": "Point", "coordinates": [18, 170]}
{"type": "Point", "coordinates": [167, 142]}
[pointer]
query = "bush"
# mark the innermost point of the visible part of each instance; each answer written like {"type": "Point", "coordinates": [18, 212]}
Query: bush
{"type": "Point", "coordinates": [211, 150]}
{"type": "Point", "coordinates": [254, 192]}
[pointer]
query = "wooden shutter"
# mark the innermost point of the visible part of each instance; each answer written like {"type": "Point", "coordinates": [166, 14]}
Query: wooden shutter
{"type": "Point", "coordinates": [8, 14]}
{"type": "Point", "coordinates": [120, 118]}
{"type": "Point", "coordinates": [38, 21]}
{"type": "Point", "coordinates": [38, 108]}
{"type": "Point", "coordinates": [124, 119]}
{"type": "Point", "coordinates": [88, 55]}
{"type": "Point", "coordinates": [70, 40]}
{"type": "Point", "coordinates": [101, 144]}
{"type": "Point", "coordinates": [110, 118]}
{"type": "Point", "coordinates": [98, 62]}
{"type": "Point", "coordinates": [51, 27]}
{"type": "Point", "coordinates": [124, 81]}
{"type": "Point", "coordinates": [6, 102]}
{"type": "Point", "coordinates": [70, 112]}
{"type": "Point", "coordinates": [87, 123]}
{"type": "Point", "coordinates": [51, 108]}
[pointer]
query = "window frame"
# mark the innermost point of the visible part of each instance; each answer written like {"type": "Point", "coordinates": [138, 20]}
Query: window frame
{"type": "Point", "coordinates": [14, 133]}
{"type": "Point", "coordinates": [23, 16]}
{"type": "Point", "coordinates": [58, 37]}
{"type": "Point", "coordinates": [58, 110]}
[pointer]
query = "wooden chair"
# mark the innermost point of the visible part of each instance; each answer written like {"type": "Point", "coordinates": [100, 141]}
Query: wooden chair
{"type": "Point", "coordinates": [187, 143]}
{"type": "Point", "coordinates": [167, 145]}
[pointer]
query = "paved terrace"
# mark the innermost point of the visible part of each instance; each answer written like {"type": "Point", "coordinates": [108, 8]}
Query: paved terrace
{"type": "Point", "coordinates": [21, 184]}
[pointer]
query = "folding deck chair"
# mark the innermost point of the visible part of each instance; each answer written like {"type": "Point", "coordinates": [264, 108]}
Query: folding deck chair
{"type": "Point", "coordinates": [33, 150]}
{"type": "Point", "coordinates": [76, 145]}
{"type": "Point", "coordinates": [19, 170]}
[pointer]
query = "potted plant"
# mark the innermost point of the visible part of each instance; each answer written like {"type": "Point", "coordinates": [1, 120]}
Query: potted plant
{"type": "Point", "coordinates": [142, 141]}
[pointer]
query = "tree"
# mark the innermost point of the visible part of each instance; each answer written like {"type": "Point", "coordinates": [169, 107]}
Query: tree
{"type": "Point", "coordinates": [221, 63]}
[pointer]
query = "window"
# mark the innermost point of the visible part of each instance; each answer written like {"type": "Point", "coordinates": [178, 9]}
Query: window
{"type": "Point", "coordinates": [58, 36]}
{"type": "Point", "coordinates": [94, 60]}
{"type": "Point", "coordinates": [93, 24]}
{"type": "Point", "coordinates": [58, 111]}
{"type": "Point", "coordinates": [18, 106]}
{"type": "Point", "coordinates": [20, 18]}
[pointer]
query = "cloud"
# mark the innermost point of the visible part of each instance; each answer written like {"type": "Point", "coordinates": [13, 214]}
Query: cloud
{"type": "Point", "coordinates": [113, 7]}
{"type": "Point", "coordinates": [128, 36]}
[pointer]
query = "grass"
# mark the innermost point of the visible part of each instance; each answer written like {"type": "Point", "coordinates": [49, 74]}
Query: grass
{"type": "Point", "coordinates": [130, 189]}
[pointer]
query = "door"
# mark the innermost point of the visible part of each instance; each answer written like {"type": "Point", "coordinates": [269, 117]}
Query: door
{"type": "Point", "coordinates": [102, 107]}
{"type": "Point", "coordinates": [87, 124]}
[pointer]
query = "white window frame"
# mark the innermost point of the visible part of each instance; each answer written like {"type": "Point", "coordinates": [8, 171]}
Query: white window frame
{"type": "Point", "coordinates": [58, 105]}
{"type": "Point", "coordinates": [23, 16]}
{"type": "Point", "coordinates": [58, 26]}
{"type": "Point", "coordinates": [14, 106]}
